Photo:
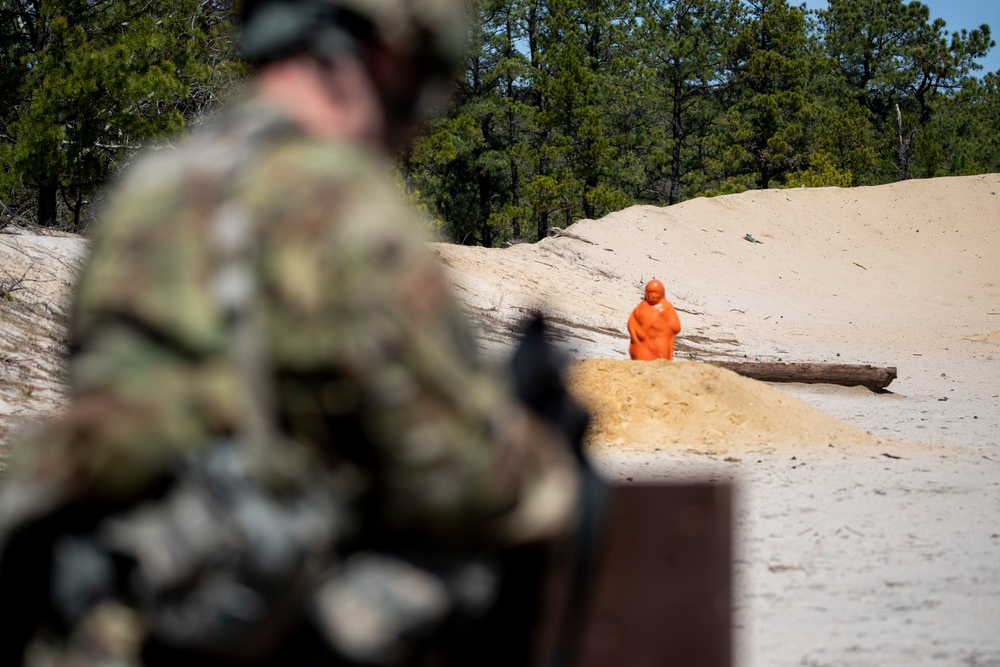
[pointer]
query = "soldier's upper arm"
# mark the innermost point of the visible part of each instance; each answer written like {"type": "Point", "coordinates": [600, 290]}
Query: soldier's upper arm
{"type": "Point", "coordinates": [368, 303]}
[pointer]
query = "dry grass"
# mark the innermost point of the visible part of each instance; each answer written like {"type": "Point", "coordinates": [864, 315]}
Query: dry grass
{"type": "Point", "coordinates": [10, 284]}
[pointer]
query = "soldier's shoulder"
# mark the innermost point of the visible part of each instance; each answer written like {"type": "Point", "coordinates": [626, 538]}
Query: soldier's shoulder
{"type": "Point", "coordinates": [201, 165]}
{"type": "Point", "coordinates": [331, 188]}
{"type": "Point", "coordinates": [302, 164]}
{"type": "Point", "coordinates": [152, 174]}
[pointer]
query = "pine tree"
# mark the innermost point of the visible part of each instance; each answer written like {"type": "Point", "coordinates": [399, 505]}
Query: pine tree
{"type": "Point", "coordinates": [895, 62]}
{"type": "Point", "coordinates": [85, 82]}
{"type": "Point", "coordinates": [683, 46]}
{"type": "Point", "coordinates": [763, 132]}
{"type": "Point", "coordinates": [583, 163]}
{"type": "Point", "coordinates": [962, 137]}
{"type": "Point", "coordinates": [467, 164]}
{"type": "Point", "coordinates": [571, 109]}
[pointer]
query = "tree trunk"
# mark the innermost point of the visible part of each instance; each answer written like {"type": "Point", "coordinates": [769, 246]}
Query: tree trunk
{"type": "Point", "coordinates": [47, 205]}
{"type": "Point", "coordinates": [677, 135]}
{"type": "Point", "coordinates": [903, 148]}
{"type": "Point", "coordinates": [485, 231]}
{"type": "Point", "coordinates": [589, 209]}
{"type": "Point", "coordinates": [543, 225]}
{"type": "Point", "coordinates": [848, 375]}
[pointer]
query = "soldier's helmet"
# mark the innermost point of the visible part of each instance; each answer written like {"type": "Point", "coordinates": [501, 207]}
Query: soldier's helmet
{"type": "Point", "coordinates": [428, 33]}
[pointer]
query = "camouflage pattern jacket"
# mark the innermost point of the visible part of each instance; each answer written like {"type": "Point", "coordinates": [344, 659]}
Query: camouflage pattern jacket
{"type": "Point", "coordinates": [366, 360]}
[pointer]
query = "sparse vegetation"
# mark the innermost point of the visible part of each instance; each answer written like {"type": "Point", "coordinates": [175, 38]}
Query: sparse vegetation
{"type": "Point", "coordinates": [9, 284]}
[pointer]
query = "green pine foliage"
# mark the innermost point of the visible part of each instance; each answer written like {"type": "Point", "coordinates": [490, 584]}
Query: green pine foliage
{"type": "Point", "coordinates": [565, 109]}
{"type": "Point", "coordinates": [899, 65]}
{"type": "Point", "coordinates": [684, 46]}
{"type": "Point", "coordinates": [571, 109]}
{"type": "Point", "coordinates": [85, 82]}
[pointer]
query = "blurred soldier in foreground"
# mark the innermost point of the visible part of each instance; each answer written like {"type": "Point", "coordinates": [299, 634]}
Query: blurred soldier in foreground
{"type": "Point", "coordinates": [281, 447]}
{"type": "Point", "coordinates": [653, 325]}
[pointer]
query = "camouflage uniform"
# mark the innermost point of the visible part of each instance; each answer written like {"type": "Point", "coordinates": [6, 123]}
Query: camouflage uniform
{"type": "Point", "coordinates": [369, 362]}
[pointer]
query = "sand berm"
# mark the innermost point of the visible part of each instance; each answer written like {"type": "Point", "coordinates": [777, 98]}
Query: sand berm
{"type": "Point", "coordinates": [867, 525]}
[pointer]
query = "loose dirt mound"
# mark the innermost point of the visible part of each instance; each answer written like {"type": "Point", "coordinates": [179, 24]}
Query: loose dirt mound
{"type": "Point", "coordinates": [648, 406]}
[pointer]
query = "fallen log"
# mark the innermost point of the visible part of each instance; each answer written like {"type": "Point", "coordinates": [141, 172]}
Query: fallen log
{"type": "Point", "coordinates": [848, 375]}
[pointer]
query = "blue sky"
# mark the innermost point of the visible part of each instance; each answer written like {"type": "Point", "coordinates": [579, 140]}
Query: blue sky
{"type": "Point", "coordinates": [959, 14]}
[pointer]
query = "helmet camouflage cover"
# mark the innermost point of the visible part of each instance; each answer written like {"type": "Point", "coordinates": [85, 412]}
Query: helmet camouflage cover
{"type": "Point", "coordinates": [430, 29]}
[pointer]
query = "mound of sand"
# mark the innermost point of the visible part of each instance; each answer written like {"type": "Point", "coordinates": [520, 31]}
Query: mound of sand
{"type": "Point", "coordinates": [861, 556]}
{"type": "Point", "coordinates": [850, 271]}
{"type": "Point", "coordinates": [839, 275]}
{"type": "Point", "coordinates": [673, 406]}
{"type": "Point", "coordinates": [898, 275]}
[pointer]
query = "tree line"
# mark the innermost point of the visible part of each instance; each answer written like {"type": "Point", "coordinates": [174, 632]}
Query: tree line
{"type": "Point", "coordinates": [564, 109]}
{"type": "Point", "coordinates": [575, 108]}
{"type": "Point", "coordinates": [84, 84]}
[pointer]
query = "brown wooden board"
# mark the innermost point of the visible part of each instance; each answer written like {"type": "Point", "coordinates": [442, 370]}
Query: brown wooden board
{"type": "Point", "coordinates": [661, 588]}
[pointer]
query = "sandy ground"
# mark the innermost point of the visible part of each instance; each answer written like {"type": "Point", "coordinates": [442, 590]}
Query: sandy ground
{"type": "Point", "coordinates": [881, 550]}
{"type": "Point", "coordinates": [868, 525]}
{"type": "Point", "coordinates": [37, 272]}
